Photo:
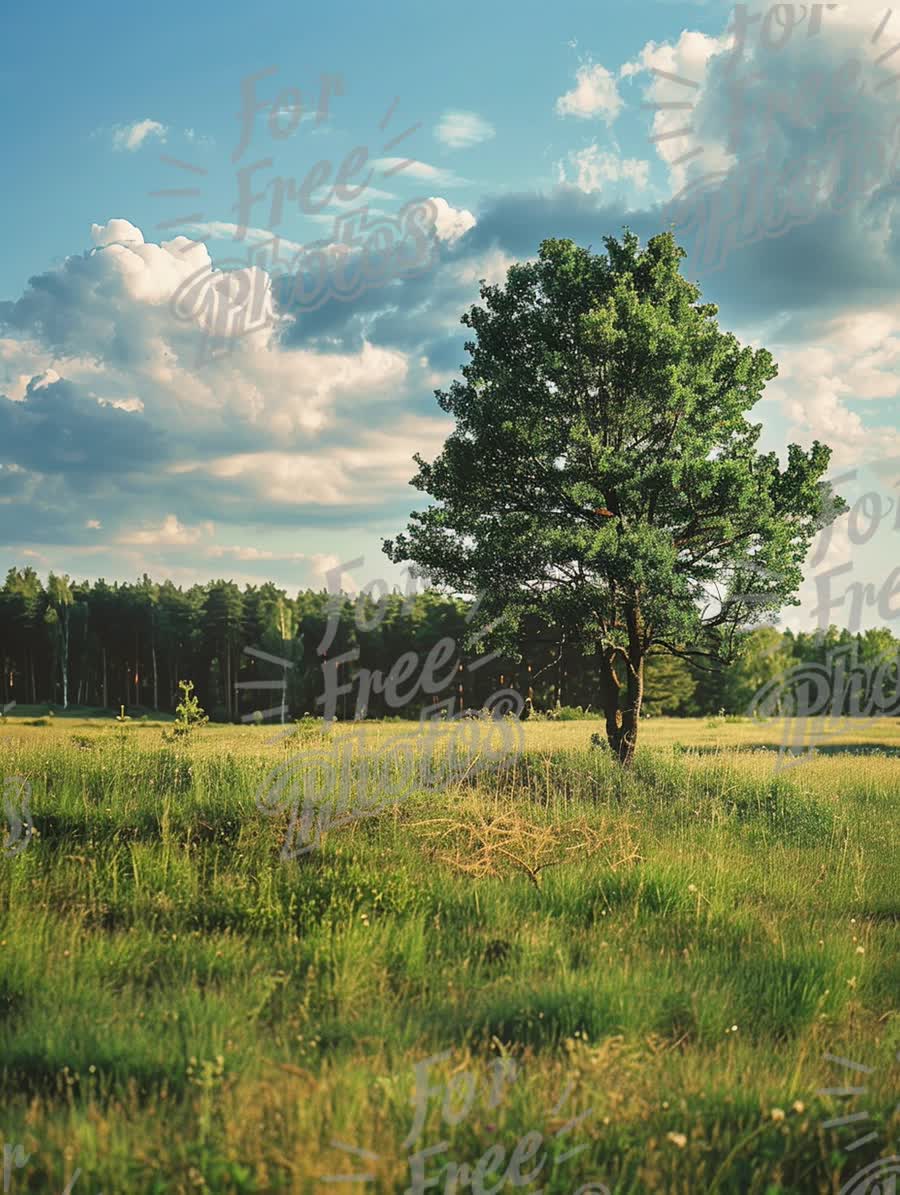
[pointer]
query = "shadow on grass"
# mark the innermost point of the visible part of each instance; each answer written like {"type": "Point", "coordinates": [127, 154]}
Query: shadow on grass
{"type": "Point", "coordinates": [874, 748]}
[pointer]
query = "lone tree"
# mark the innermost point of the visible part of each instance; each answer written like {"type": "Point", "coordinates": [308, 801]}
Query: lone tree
{"type": "Point", "coordinates": [603, 473]}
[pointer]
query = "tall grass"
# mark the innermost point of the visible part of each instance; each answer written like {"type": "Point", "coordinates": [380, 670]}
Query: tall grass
{"type": "Point", "coordinates": [672, 951]}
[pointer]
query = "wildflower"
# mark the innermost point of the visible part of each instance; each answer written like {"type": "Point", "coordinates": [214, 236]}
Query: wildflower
{"type": "Point", "coordinates": [798, 1106]}
{"type": "Point", "coordinates": [777, 1114]}
{"type": "Point", "coordinates": [692, 887]}
{"type": "Point", "coordinates": [860, 950]}
{"type": "Point", "coordinates": [678, 1139]}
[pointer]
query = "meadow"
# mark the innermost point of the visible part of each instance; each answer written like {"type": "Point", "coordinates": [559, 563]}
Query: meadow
{"type": "Point", "coordinates": [563, 976]}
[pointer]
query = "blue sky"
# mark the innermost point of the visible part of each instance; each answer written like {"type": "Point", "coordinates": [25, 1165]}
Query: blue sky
{"type": "Point", "coordinates": [123, 448]}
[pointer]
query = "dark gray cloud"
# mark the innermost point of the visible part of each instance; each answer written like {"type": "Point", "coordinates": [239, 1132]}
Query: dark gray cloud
{"type": "Point", "coordinates": [57, 429]}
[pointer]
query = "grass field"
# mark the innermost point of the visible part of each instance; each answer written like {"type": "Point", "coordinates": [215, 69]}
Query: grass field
{"type": "Point", "coordinates": [650, 966]}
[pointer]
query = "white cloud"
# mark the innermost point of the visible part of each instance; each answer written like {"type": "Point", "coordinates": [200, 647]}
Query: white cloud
{"type": "Point", "coordinates": [224, 230]}
{"type": "Point", "coordinates": [116, 232]}
{"type": "Point", "coordinates": [248, 554]}
{"type": "Point", "coordinates": [706, 140]}
{"type": "Point", "coordinates": [418, 170]}
{"type": "Point", "coordinates": [171, 534]}
{"type": "Point", "coordinates": [855, 359]}
{"type": "Point", "coordinates": [786, 104]}
{"type": "Point", "coordinates": [491, 265]}
{"type": "Point", "coordinates": [324, 563]}
{"type": "Point", "coordinates": [592, 169]}
{"type": "Point", "coordinates": [460, 130]}
{"type": "Point", "coordinates": [594, 94]}
{"type": "Point", "coordinates": [47, 378]}
{"type": "Point", "coordinates": [356, 475]}
{"type": "Point", "coordinates": [132, 136]}
{"type": "Point", "coordinates": [451, 222]}
{"type": "Point", "coordinates": [121, 326]}
{"type": "Point", "coordinates": [122, 404]}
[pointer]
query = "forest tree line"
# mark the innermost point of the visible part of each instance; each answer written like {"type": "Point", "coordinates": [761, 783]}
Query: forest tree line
{"type": "Point", "coordinates": [103, 646]}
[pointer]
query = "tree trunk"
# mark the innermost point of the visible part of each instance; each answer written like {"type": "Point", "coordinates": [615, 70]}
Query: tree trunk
{"type": "Point", "coordinates": [622, 719]}
{"type": "Point", "coordinates": [155, 679]}
{"type": "Point", "coordinates": [65, 657]}
{"type": "Point", "coordinates": [105, 697]}
{"type": "Point", "coordinates": [632, 711]}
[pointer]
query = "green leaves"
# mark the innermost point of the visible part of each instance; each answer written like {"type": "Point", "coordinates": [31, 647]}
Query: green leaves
{"type": "Point", "coordinates": [601, 383]}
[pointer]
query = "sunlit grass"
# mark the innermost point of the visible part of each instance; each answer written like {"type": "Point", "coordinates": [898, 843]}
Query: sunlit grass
{"type": "Point", "coordinates": [678, 948]}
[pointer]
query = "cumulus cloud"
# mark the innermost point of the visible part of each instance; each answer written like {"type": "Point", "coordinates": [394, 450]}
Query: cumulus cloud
{"type": "Point", "coordinates": [852, 363]}
{"type": "Point", "coordinates": [119, 419]}
{"type": "Point", "coordinates": [594, 94]}
{"type": "Point", "coordinates": [687, 127]}
{"type": "Point", "coordinates": [460, 130]}
{"type": "Point", "coordinates": [116, 232]}
{"type": "Point", "coordinates": [451, 222]}
{"type": "Point", "coordinates": [132, 136]}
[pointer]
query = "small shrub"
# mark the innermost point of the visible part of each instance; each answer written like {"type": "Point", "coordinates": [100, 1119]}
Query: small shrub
{"type": "Point", "coordinates": [307, 729]}
{"type": "Point", "coordinates": [572, 713]}
{"type": "Point", "coordinates": [189, 715]}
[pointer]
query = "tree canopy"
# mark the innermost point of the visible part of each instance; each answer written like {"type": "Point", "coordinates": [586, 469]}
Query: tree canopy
{"type": "Point", "coordinates": [603, 473]}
